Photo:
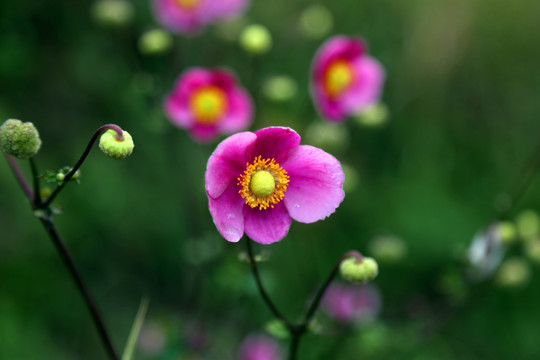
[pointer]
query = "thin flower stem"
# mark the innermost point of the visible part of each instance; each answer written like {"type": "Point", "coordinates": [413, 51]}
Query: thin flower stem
{"type": "Point", "coordinates": [262, 291]}
{"type": "Point", "coordinates": [119, 136]}
{"type": "Point", "coordinates": [48, 224]}
{"type": "Point", "coordinates": [20, 177]}
{"type": "Point", "coordinates": [37, 192]}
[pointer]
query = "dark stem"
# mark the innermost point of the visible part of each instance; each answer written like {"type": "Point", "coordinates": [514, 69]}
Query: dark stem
{"type": "Point", "coordinates": [119, 136]}
{"type": "Point", "coordinates": [48, 224]}
{"type": "Point", "coordinates": [262, 291]}
{"type": "Point", "coordinates": [35, 178]}
{"type": "Point", "coordinates": [20, 177]}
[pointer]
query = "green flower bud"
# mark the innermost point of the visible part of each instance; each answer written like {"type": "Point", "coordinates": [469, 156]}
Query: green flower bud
{"type": "Point", "coordinates": [117, 149]}
{"type": "Point", "coordinates": [375, 115]}
{"type": "Point", "coordinates": [513, 272]}
{"type": "Point", "coordinates": [60, 176]}
{"type": "Point", "coordinates": [155, 42]}
{"type": "Point", "coordinates": [112, 12]}
{"type": "Point", "coordinates": [532, 250]}
{"type": "Point", "coordinates": [19, 139]}
{"type": "Point", "coordinates": [528, 224]}
{"type": "Point", "coordinates": [316, 21]}
{"type": "Point", "coordinates": [256, 39]}
{"type": "Point", "coordinates": [507, 231]}
{"type": "Point", "coordinates": [280, 88]}
{"type": "Point", "coordinates": [361, 271]}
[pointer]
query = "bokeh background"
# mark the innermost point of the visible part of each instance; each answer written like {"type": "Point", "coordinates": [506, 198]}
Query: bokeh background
{"type": "Point", "coordinates": [462, 89]}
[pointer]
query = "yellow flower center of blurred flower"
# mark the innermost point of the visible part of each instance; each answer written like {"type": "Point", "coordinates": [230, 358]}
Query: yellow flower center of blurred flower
{"type": "Point", "coordinates": [208, 104]}
{"type": "Point", "coordinates": [337, 78]}
{"type": "Point", "coordinates": [263, 183]}
{"type": "Point", "coordinates": [187, 4]}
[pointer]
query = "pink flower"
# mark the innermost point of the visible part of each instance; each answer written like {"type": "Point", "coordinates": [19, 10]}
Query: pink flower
{"type": "Point", "coordinates": [208, 102]}
{"type": "Point", "coordinates": [344, 80]}
{"type": "Point", "coordinates": [189, 16]}
{"type": "Point", "coordinates": [256, 182]}
{"type": "Point", "coordinates": [259, 347]}
{"type": "Point", "coordinates": [352, 303]}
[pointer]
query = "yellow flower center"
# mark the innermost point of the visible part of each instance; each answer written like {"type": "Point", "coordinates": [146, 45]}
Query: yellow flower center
{"type": "Point", "coordinates": [263, 183]}
{"type": "Point", "coordinates": [208, 104]}
{"type": "Point", "coordinates": [187, 4]}
{"type": "Point", "coordinates": [338, 77]}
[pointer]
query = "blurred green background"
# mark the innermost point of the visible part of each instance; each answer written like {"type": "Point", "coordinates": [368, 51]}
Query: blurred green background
{"type": "Point", "coordinates": [462, 88]}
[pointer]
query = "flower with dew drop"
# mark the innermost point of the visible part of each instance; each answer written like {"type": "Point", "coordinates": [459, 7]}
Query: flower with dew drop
{"type": "Point", "coordinates": [256, 182]}
{"type": "Point", "coordinates": [190, 16]}
{"type": "Point", "coordinates": [351, 303]}
{"type": "Point", "coordinates": [259, 347]}
{"type": "Point", "coordinates": [344, 79]}
{"type": "Point", "coordinates": [207, 103]}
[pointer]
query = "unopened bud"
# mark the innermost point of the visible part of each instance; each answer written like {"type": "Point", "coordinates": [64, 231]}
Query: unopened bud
{"type": "Point", "coordinates": [356, 270]}
{"type": "Point", "coordinates": [316, 21]}
{"type": "Point", "coordinates": [115, 148]}
{"type": "Point", "coordinates": [256, 39]}
{"type": "Point", "coordinates": [388, 248]}
{"type": "Point", "coordinates": [19, 139]}
{"type": "Point", "coordinates": [507, 231]}
{"type": "Point", "coordinates": [280, 88]}
{"type": "Point", "coordinates": [528, 224]}
{"type": "Point", "coordinates": [513, 272]}
{"type": "Point", "coordinates": [375, 115]}
{"type": "Point", "coordinates": [112, 12]}
{"type": "Point", "coordinates": [60, 176]}
{"type": "Point", "coordinates": [155, 42]}
{"type": "Point", "coordinates": [532, 250]}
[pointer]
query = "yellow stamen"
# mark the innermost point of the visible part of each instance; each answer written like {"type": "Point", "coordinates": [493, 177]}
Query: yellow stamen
{"type": "Point", "coordinates": [338, 77]}
{"type": "Point", "coordinates": [208, 104]}
{"type": "Point", "coordinates": [263, 183]}
{"type": "Point", "coordinates": [187, 4]}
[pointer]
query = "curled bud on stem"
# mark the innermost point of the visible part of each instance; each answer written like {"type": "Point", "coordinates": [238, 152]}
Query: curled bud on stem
{"type": "Point", "coordinates": [117, 147]}
{"type": "Point", "coordinates": [356, 268]}
{"type": "Point", "coordinates": [19, 139]}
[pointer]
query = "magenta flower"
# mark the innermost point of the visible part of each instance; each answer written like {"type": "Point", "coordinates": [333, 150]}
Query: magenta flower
{"type": "Point", "coordinates": [352, 303]}
{"type": "Point", "coordinates": [207, 103]}
{"type": "Point", "coordinates": [259, 347]}
{"type": "Point", "coordinates": [189, 16]}
{"type": "Point", "coordinates": [344, 79]}
{"type": "Point", "coordinates": [256, 182]}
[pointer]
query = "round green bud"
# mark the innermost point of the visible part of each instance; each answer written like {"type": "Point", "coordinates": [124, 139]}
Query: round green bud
{"type": "Point", "coordinates": [256, 39]}
{"type": "Point", "coordinates": [60, 176]}
{"type": "Point", "coordinates": [112, 12]}
{"type": "Point", "coordinates": [373, 116]}
{"type": "Point", "coordinates": [528, 224]}
{"type": "Point", "coordinates": [532, 250]}
{"type": "Point", "coordinates": [359, 271]}
{"type": "Point", "coordinates": [316, 21]}
{"type": "Point", "coordinates": [513, 272]}
{"type": "Point", "coordinates": [19, 139]}
{"type": "Point", "coordinates": [280, 88]}
{"type": "Point", "coordinates": [507, 231]}
{"type": "Point", "coordinates": [155, 42]}
{"type": "Point", "coordinates": [117, 149]}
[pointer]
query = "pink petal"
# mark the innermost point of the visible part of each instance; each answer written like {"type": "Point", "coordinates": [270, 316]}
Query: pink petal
{"type": "Point", "coordinates": [226, 212]}
{"type": "Point", "coordinates": [266, 226]}
{"type": "Point", "coordinates": [177, 111]}
{"type": "Point", "coordinates": [315, 187]}
{"type": "Point", "coordinates": [227, 162]}
{"type": "Point", "coordinates": [204, 133]}
{"type": "Point", "coordinates": [367, 87]}
{"type": "Point", "coordinates": [274, 142]}
{"type": "Point", "coordinates": [180, 20]}
{"type": "Point", "coordinates": [239, 114]}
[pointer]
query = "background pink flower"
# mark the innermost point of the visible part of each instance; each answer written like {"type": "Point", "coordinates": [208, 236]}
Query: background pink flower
{"type": "Point", "coordinates": [344, 79]}
{"type": "Point", "coordinates": [228, 8]}
{"type": "Point", "coordinates": [256, 182]}
{"type": "Point", "coordinates": [351, 302]}
{"type": "Point", "coordinates": [259, 347]}
{"type": "Point", "coordinates": [207, 103]}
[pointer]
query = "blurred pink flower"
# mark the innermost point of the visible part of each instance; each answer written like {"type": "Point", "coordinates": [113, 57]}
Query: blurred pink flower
{"type": "Point", "coordinates": [207, 103]}
{"type": "Point", "coordinates": [352, 303]}
{"type": "Point", "coordinates": [189, 16]}
{"type": "Point", "coordinates": [256, 182]}
{"type": "Point", "coordinates": [344, 79]}
{"type": "Point", "coordinates": [259, 347]}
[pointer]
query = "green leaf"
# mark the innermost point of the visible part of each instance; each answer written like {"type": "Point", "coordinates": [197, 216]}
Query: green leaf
{"type": "Point", "coordinates": [135, 330]}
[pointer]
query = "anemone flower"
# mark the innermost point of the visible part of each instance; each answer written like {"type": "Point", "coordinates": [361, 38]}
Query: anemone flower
{"type": "Point", "coordinates": [256, 182]}
{"type": "Point", "coordinates": [207, 103]}
{"type": "Point", "coordinates": [344, 79]}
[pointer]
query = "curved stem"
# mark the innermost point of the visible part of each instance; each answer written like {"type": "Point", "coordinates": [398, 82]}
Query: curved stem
{"type": "Point", "coordinates": [119, 136]}
{"type": "Point", "coordinates": [20, 177]}
{"type": "Point", "coordinates": [37, 192]}
{"type": "Point", "coordinates": [260, 287]}
{"type": "Point", "coordinates": [48, 224]}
